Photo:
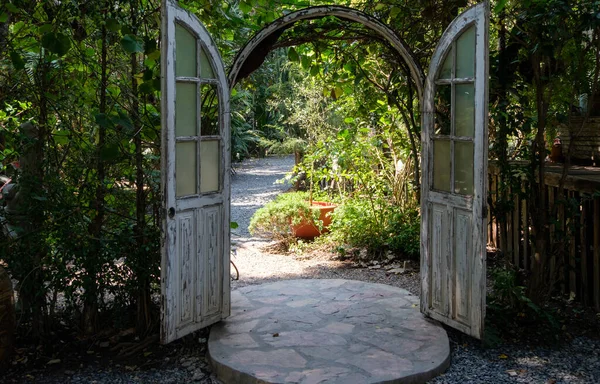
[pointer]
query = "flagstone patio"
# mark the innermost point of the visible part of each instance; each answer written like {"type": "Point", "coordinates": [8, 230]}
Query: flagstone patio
{"type": "Point", "coordinates": [327, 331]}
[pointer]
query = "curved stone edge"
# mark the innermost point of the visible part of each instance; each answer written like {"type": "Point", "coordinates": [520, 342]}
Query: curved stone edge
{"type": "Point", "coordinates": [230, 375]}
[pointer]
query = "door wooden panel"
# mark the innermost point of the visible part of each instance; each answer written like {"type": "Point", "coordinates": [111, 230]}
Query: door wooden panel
{"type": "Point", "coordinates": [454, 162]}
{"type": "Point", "coordinates": [195, 144]}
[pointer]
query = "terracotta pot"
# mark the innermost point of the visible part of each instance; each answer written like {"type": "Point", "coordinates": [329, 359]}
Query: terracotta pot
{"type": "Point", "coordinates": [308, 230]}
{"type": "Point", "coordinates": [7, 316]}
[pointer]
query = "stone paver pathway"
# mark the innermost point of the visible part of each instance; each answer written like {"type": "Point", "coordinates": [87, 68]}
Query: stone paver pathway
{"type": "Point", "coordinates": [327, 331]}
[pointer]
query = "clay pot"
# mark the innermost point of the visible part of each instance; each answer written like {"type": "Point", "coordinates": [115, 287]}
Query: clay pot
{"type": "Point", "coordinates": [7, 316]}
{"type": "Point", "coordinates": [307, 229]}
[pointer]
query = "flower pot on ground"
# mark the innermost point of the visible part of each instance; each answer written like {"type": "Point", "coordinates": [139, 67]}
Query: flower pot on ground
{"type": "Point", "coordinates": [278, 218]}
{"type": "Point", "coordinates": [308, 229]}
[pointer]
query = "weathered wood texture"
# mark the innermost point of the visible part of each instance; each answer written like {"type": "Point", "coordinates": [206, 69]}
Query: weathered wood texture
{"type": "Point", "coordinates": [453, 224]}
{"type": "Point", "coordinates": [574, 232]}
{"type": "Point", "coordinates": [585, 140]}
{"type": "Point", "coordinates": [195, 284]}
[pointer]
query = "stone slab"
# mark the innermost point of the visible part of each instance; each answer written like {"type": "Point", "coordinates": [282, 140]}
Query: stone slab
{"type": "Point", "coordinates": [327, 331]}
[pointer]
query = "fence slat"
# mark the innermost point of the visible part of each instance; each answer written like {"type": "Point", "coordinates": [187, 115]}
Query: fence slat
{"type": "Point", "coordinates": [597, 253]}
{"type": "Point", "coordinates": [516, 233]}
{"type": "Point", "coordinates": [525, 224]}
{"type": "Point", "coordinates": [584, 253]}
{"type": "Point", "coordinates": [572, 253]}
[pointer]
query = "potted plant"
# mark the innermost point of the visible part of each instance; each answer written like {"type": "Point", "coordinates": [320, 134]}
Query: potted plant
{"type": "Point", "coordinates": [291, 215]}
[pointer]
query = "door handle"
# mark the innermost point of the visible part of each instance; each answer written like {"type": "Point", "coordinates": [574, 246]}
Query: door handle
{"type": "Point", "coordinates": [171, 212]}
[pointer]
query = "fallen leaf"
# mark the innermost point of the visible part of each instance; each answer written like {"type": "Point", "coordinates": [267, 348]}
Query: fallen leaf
{"type": "Point", "coordinates": [503, 356]}
{"type": "Point", "coordinates": [512, 372]}
{"type": "Point", "coordinates": [53, 361]}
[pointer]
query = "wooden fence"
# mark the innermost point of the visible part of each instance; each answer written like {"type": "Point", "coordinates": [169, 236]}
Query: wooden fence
{"type": "Point", "coordinates": [574, 229]}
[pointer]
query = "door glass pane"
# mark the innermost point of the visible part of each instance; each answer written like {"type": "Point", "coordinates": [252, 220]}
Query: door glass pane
{"type": "Point", "coordinates": [463, 168]}
{"type": "Point", "coordinates": [443, 110]}
{"type": "Point", "coordinates": [446, 71]}
{"type": "Point", "coordinates": [185, 168]}
{"type": "Point", "coordinates": [186, 109]}
{"type": "Point", "coordinates": [206, 70]}
{"type": "Point", "coordinates": [185, 52]}
{"type": "Point", "coordinates": [465, 54]}
{"type": "Point", "coordinates": [441, 165]}
{"type": "Point", "coordinates": [464, 113]}
{"type": "Point", "coordinates": [210, 165]}
{"type": "Point", "coordinates": [209, 110]}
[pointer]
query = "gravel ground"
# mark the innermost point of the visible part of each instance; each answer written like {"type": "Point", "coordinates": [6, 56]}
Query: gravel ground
{"type": "Point", "coordinates": [253, 185]}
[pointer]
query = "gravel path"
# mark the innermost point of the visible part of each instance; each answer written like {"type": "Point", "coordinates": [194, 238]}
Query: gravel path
{"type": "Point", "coordinates": [576, 362]}
{"type": "Point", "coordinates": [252, 186]}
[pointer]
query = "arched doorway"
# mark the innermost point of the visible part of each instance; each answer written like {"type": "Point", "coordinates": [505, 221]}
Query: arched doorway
{"type": "Point", "coordinates": [452, 270]}
{"type": "Point", "coordinates": [253, 54]}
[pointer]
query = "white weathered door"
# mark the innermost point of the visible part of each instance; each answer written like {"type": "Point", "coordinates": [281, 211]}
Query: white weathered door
{"type": "Point", "coordinates": [454, 145]}
{"type": "Point", "coordinates": [195, 178]}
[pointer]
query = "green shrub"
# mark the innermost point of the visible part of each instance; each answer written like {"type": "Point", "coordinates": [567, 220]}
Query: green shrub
{"type": "Point", "coordinates": [377, 226]}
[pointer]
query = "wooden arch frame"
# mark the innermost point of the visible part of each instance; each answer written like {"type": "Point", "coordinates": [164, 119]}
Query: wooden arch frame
{"type": "Point", "coordinates": [260, 42]}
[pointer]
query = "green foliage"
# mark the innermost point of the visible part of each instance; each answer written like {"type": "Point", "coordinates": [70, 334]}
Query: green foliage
{"type": "Point", "coordinates": [277, 217]}
{"type": "Point", "coordinates": [509, 309]}
{"type": "Point", "coordinates": [382, 229]}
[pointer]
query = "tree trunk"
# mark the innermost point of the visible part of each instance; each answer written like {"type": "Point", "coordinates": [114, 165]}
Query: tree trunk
{"type": "Point", "coordinates": [90, 307]}
{"type": "Point", "coordinates": [143, 318]}
{"type": "Point", "coordinates": [540, 278]}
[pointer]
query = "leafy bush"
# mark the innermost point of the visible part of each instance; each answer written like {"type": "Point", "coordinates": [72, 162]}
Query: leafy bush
{"type": "Point", "coordinates": [509, 309]}
{"type": "Point", "coordinates": [276, 218]}
{"type": "Point", "coordinates": [377, 226]}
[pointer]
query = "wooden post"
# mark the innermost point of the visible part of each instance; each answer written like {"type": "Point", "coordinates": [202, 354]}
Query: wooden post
{"type": "Point", "coordinates": [596, 277]}
{"type": "Point", "coordinates": [572, 255]}
{"type": "Point", "coordinates": [516, 231]}
{"type": "Point", "coordinates": [584, 253]}
{"type": "Point", "coordinates": [525, 224]}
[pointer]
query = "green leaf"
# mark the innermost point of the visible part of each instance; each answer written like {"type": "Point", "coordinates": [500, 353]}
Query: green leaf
{"type": "Point", "coordinates": [500, 5]}
{"type": "Point", "coordinates": [146, 87]}
{"type": "Point", "coordinates": [132, 44]}
{"type": "Point", "coordinates": [56, 42]}
{"type": "Point", "coordinates": [305, 62]}
{"type": "Point", "coordinates": [113, 25]}
{"type": "Point", "coordinates": [156, 83]}
{"type": "Point", "coordinates": [293, 55]}
{"type": "Point", "coordinates": [3, 17]}
{"type": "Point", "coordinates": [17, 60]}
{"type": "Point", "coordinates": [110, 152]}
{"type": "Point", "coordinates": [147, 74]}
{"type": "Point", "coordinates": [245, 6]}
{"type": "Point", "coordinates": [233, 225]}
{"type": "Point", "coordinates": [102, 120]}
{"type": "Point", "coordinates": [12, 8]}
{"type": "Point", "coordinates": [338, 92]}
{"type": "Point", "coordinates": [61, 137]}
{"type": "Point", "coordinates": [314, 70]}
{"type": "Point", "coordinates": [45, 28]}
